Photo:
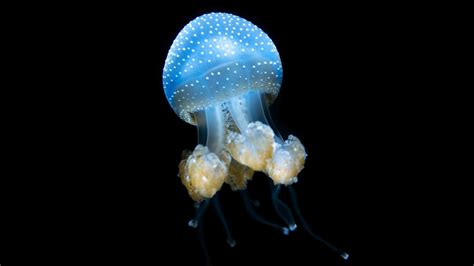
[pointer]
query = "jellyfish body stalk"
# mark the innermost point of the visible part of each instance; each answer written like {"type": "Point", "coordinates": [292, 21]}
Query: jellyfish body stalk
{"type": "Point", "coordinates": [249, 108]}
{"type": "Point", "coordinates": [215, 129]}
{"type": "Point", "coordinates": [201, 125]}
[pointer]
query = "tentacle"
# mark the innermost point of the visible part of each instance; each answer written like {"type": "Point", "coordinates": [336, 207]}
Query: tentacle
{"type": "Point", "coordinates": [250, 209]}
{"type": "Point", "coordinates": [282, 209]}
{"type": "Point", "coordinates": [217, 207]}
{"type": "Point", "coordinates": [202, 239]}
{"type": "Point", "coordinates": [201, 208]}
{"type": "Point", "coordinates": [294, 201]}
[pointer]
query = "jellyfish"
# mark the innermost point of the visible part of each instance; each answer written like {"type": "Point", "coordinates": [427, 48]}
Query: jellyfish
{"type": "Point", "coordinates": [221, 74]}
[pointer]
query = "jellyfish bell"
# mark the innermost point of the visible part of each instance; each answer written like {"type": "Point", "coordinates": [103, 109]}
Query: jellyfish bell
{"type": "Point", "coordinates": [221, 73]}
{"type": "Point", "coordinates": [218, 57]}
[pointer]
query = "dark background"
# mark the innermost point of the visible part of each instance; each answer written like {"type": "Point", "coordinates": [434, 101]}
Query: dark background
{"type": "Point", "coordinates": [96, 145]}
{"type": "Point", "coordinates": [109, 143]}
{"type": "Point", "coordinates": [322, 50]}
{"type": "Point", "coordinates": [319, 48]}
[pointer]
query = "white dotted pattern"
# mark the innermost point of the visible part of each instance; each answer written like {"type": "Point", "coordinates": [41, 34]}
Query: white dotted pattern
{"type": "Point", "coordinates": [218, 56]}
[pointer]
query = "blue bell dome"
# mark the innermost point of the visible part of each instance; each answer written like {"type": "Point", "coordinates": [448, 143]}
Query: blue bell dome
{"type": "Point", "coordinates": [218, 56]}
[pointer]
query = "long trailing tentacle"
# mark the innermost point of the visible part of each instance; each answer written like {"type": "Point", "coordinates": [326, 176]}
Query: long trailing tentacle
{"type": "Point", "coordinates": [202, 241]}
{"type": "Point", "coordinates": [250, 209]}
{"type": "Point", "coordinates": [281, 208]}
{"type": "Point", "coordinates": [294, 201]}
{"type": "Point", "coordinates": [217, 207]}
{"type": "Point", "coordinates": [200, 209]}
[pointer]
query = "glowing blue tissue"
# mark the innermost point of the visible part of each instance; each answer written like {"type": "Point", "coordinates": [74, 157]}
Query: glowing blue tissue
{"type": "Point", "coordinates": [221, 74]}
{"type": "Point", "coordinates": [218, 56]}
